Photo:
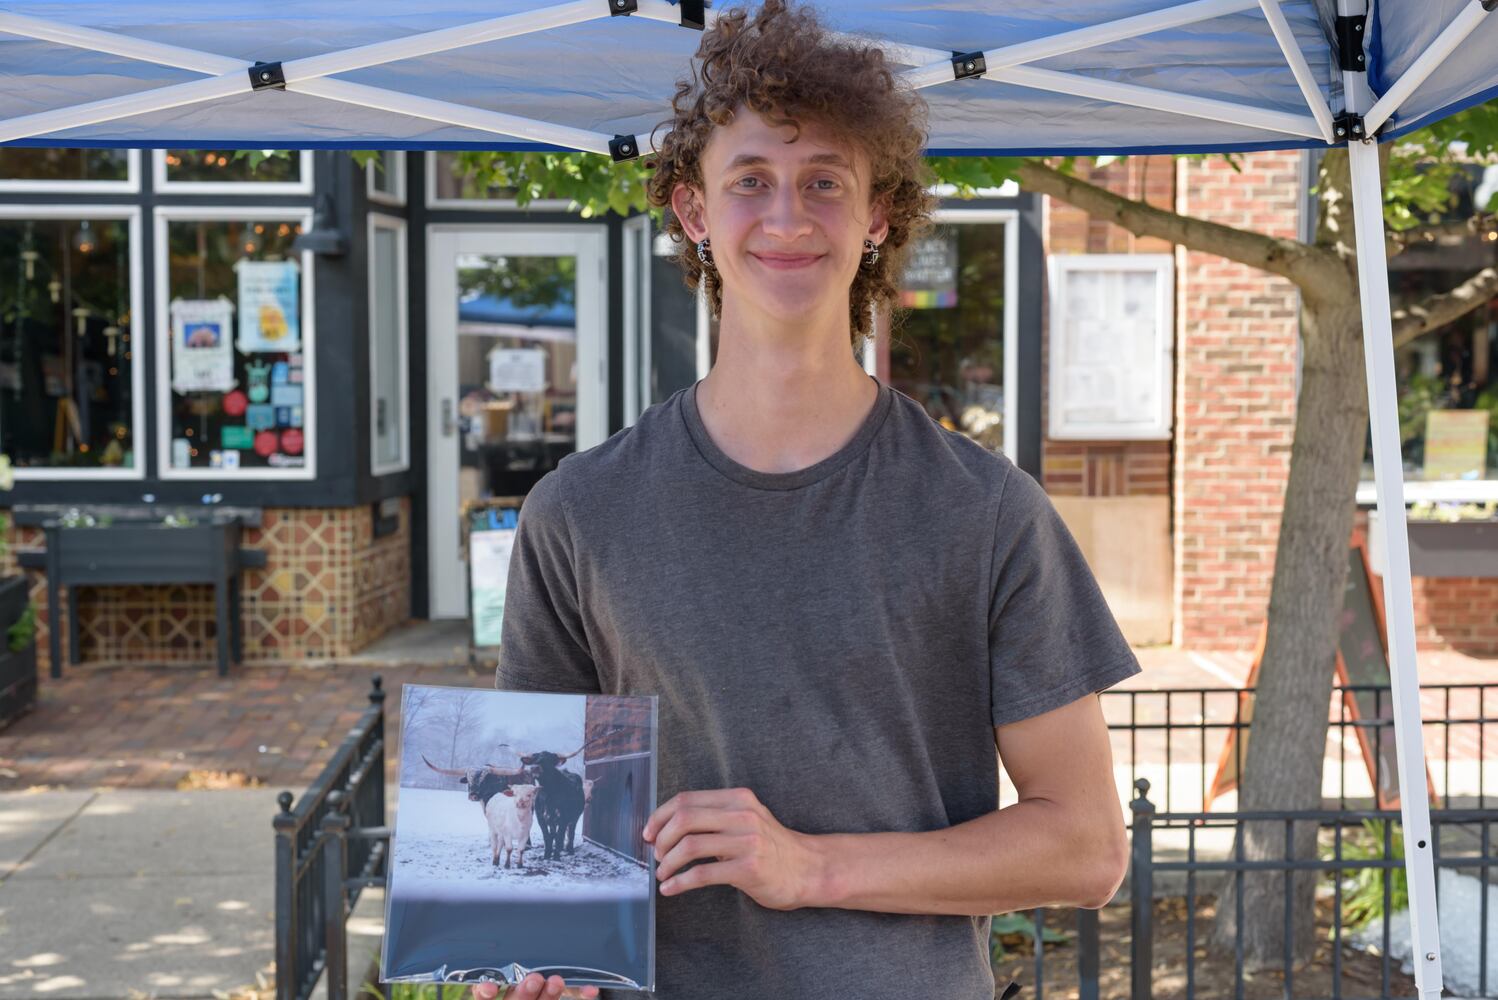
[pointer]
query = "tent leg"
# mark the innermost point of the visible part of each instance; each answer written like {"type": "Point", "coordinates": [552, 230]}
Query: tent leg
{"type": "Point", "coordinates": [1378, 351]}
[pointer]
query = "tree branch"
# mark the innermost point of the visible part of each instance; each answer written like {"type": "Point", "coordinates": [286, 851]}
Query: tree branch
{"type": "Point", "coordinates": [1313, 270]}
{"type": "Point", "coordinates": [1438, 310]}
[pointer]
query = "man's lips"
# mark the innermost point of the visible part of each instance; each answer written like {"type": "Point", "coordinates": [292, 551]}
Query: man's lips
{"type": "Point", "coordinates": [786, 261]}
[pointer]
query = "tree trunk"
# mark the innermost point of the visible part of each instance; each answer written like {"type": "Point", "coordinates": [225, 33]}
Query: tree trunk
{"type": "Point", "coordinates": [1287, 740]}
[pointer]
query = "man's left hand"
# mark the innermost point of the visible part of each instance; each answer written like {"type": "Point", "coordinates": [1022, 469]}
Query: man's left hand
{"type": "Point", "coordinates": [750, 850]}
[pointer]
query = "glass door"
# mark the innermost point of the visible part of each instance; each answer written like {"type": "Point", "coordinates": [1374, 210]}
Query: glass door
{"type": "Point", "coordinates": [517, 373]}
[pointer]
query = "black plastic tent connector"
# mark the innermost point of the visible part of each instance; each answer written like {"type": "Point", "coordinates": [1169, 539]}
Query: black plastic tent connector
{"type": "Point", "coordinates": [623, 147]}
{"type": "Point", "coordinates": [1348, 127]}
{"type": "Point", "coordinates": [267, 76]}
{"type": "Point", "coordinates": [1350, 57]}
{"type": "Point", "coordinates": [693, 14]}
{"type": "Point", "coordinates": [1490, 5]}
{"type": "Point", "coordinates": [620, 7]}
{"type": "Point", "coordinates": [966, 64]}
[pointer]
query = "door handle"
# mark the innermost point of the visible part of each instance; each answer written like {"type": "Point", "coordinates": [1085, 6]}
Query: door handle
{"type": "Point", "coordinates": [449, 426]}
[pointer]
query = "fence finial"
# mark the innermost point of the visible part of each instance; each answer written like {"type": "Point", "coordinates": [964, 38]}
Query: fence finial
{"type": "Point", "coordinates": [376, 691]}
{"type": "Point", "coordinates": [284, 800]}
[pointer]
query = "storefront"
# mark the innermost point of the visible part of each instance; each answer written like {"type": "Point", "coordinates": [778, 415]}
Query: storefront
{"type": "Point", "coordinates": [347, 357]}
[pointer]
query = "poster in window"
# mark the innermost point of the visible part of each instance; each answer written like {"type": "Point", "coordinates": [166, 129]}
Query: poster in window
{"type": "Point", "coordinates": [1456, 444]}
{"type": "Point", "coordinates": [269, 306]}
{"type": "Point", "coordinates": [930, 277]}
{"type": "Point", "coordinates": [202, 348]}
{"type": "Point", "coordinates": [517, 369]}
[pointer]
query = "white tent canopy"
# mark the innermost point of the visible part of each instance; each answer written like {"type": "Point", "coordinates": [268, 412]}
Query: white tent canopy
{"type": "Point", "coordinates": [1002, 77]}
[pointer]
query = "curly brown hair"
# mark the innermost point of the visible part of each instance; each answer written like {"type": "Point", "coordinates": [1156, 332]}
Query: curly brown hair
{"type": "Point", "coordinates": [785, 65]}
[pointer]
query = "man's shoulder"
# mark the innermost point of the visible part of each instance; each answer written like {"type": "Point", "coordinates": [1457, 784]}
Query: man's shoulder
{"type": "Point", "coordinates": [946, 457]}
{"type": "Point", "coordinates": [626, 459]}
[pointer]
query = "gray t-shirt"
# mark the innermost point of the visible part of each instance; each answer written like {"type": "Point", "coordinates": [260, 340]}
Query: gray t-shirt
{"type": "Point", "coordinates": [841, 639]}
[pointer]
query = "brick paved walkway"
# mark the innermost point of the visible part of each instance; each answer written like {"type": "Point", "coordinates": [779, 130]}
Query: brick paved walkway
{"type": "Point", "coordinates": [150, 727]}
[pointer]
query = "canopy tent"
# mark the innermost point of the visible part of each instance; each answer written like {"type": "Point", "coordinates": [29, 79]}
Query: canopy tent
{"type": "Point", "coordinates": [1002, 77]}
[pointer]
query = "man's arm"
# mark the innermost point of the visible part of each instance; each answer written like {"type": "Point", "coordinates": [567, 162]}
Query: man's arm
{"type": "Point", "coordinates": [1062, 843]}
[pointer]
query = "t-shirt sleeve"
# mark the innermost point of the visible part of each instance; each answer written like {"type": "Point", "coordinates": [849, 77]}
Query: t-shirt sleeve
{"type": "Point", "coordinates": [543, 645]}
{"type": "Point", "coordinates": [1051, 636]}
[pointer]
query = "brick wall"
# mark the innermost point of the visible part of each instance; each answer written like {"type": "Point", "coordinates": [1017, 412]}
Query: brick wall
{"type": "Point", "coordinates": [1237, 343]}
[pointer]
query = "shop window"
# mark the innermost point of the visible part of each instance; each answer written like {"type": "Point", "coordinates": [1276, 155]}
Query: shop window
{"type": "Point", "coordinates": [387, 345]}
{"type": "Point", "coordinates": [26, 168]}
{"type": "Point", "coordinates": [68, 379]}
{"type": "Point", "coordinates": [1447, 378]}
{"type": "Point", "coordinates": [451, 184]}
{"type": "Point", "coordinates": [261, 171]}
{"type": "Point", "coordinates": [386, 178]}
{"type": "Point", "coordinates": [236, 362]}
{"type": "Point", "coordinates": [953, 338]}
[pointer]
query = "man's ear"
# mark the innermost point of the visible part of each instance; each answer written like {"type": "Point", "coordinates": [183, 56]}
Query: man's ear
{"type": "Point", "coordinates": [686, 202]}
{"type": "Point", "coordinates": [879, 222]}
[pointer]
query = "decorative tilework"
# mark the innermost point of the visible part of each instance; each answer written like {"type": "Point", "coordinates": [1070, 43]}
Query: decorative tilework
{"type": "Point", "coordinates": [328, 589]}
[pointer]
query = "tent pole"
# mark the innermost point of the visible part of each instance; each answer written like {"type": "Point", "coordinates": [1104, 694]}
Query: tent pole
{"type": "Point", "coordinates": [1383, 410]}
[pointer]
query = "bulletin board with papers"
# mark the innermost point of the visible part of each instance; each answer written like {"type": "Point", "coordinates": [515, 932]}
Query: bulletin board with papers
{"type": "Point", "coordinates": [1110, 345]}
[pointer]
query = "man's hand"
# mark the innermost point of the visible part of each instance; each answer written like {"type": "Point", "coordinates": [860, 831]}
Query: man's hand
{"type": "Point", "coordinates": [749, 848]}
{"type": "Point", "coordinates": [533, 986]}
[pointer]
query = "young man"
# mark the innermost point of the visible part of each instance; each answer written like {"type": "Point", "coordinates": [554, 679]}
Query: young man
{"type": "Point", "coordinates": [844, 609]}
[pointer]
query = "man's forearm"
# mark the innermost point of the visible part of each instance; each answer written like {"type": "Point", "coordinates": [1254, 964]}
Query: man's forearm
{"type": "Point", "coordinates": [1033, 853]}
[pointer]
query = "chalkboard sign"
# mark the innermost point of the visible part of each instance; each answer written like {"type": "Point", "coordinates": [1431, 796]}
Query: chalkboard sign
{"type": "Point", "coordinates": [1361, 661]}
{"type": "Point", "coordinates": [489, 528]}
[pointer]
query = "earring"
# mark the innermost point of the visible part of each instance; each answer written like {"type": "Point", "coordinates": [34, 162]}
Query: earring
{"type": "Point", "coordinates": [704, 252]}
{"type": "Point", "coordinates": [871, 251]}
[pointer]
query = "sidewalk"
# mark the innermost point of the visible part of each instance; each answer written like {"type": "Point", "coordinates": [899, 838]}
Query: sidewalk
{"type": "Point", "coordinates": [113, 893]}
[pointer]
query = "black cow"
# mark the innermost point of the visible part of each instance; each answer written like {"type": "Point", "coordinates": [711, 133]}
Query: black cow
{"type": "Point", "coordinates": [484, 782]}
{"type": "Point", "coordinates": [559, 802]}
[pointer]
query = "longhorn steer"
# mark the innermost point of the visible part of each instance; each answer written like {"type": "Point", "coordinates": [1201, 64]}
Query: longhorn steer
{"type": "Point", "coordinates": [560, 802]}
{"type": "Point", "coordinates": [495, 789]}
{"type": "Point", "coordinates": [509, 814]}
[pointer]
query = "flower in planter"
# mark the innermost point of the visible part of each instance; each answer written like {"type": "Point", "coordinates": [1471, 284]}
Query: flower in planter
{"type": "Point", "coordinates": [1450, 513]}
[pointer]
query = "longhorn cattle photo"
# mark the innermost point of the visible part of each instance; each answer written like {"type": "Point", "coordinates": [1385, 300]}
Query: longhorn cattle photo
{"type": "Point", "coordinates": [521, 814]}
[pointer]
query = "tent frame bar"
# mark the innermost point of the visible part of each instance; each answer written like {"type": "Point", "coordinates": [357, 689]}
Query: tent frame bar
{"type": "Point", "coordinates": [310, 75]}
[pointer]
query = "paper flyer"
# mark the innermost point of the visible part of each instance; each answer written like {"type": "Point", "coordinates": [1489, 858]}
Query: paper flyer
{"type": "Point", "coordinates": [202, 351]}
{"type": "Point", "coordinates": [269, 306]}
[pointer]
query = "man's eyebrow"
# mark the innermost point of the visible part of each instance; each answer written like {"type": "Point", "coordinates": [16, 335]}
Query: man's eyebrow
{"type": "Point", "coordinates": [817, 159]}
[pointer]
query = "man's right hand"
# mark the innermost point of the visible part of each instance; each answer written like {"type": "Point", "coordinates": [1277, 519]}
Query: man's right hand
{"type": "Point", "coordinates": [534, 987]}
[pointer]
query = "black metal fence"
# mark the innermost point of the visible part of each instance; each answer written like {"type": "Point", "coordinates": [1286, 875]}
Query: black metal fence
{"type": "Point", "coordinates": [1177, 736]}
{"type": "Point", "coordinates": [329, 846]}
{"type": "Point", "coordinates": [1174, 737]}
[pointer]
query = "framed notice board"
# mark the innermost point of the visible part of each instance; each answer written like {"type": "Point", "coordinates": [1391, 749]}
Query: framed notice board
{"type": "Point", "coordinates": [1361, 661]}
{"type": "Point", "coordinates": [489, 536]}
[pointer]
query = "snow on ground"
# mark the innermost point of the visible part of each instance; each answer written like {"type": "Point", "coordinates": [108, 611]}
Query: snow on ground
{"type": "Point", "coordinates": [1460, 918]}
{"type": "Point", "coordinates": [441, 848]}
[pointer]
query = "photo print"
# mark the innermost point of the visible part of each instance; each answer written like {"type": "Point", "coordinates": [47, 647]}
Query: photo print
{"type": "Point", "coordinates": [518, 841]}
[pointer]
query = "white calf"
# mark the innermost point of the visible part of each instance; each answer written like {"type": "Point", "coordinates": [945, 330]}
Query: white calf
{"type": "Point", "coordinates": [509, 814]}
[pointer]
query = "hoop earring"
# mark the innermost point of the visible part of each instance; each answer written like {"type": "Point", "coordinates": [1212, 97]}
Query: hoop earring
{"type": "Point", "coordinates": [704, 253]}
{"type": "Point", "coordinates": [871, 253]}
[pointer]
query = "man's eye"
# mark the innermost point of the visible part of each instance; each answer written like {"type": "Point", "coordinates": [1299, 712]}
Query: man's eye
{"type": "Point", "coordinates": [743, 179]}
{"type": "Point", "coordinates": [827, 180]}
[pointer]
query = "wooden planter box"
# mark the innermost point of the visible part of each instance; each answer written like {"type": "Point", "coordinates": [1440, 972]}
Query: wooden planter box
{"type": "Point", "coordinates": [1442, 548]}
{"type": "Point", "coordinates": [18, 669]}
{"type": "Point", "coordinates": [146, 552]}
{"type": "Point", "coordinates": [142, 552]}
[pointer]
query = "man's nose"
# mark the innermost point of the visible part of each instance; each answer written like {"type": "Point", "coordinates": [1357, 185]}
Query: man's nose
{"type": "Point", "coordinates": [786, 217]}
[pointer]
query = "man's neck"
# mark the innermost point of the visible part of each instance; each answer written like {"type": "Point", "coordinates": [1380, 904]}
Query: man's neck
{"type": "Point", "coordinates": [783, 403]}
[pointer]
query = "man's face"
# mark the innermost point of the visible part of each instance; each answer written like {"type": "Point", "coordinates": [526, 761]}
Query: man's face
{"type": "Point", "coordinates": [787, 219]}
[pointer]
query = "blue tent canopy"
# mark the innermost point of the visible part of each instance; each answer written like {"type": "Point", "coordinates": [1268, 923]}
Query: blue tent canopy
{"type": "Point", "coordinates": [1000, 76]}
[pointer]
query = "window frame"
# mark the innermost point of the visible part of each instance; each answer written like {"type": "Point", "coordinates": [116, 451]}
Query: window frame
{"type": "Point", "coordinates": [374, 222]}
{"type": "Point", "coordinates": [1009, 218]}
{"type": "Point", "coordinates": [485, 204]}
{"type": "Point", "coordinates": [138, 361]}
{"type": "Point", "coordinates": [161, 341]}
{"type": "Point", "coordinates": [130, 185]}
{"type": "Point", "coordinates": [395, 159]}
{"type": "Point", "coordinates": [165, 186]}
